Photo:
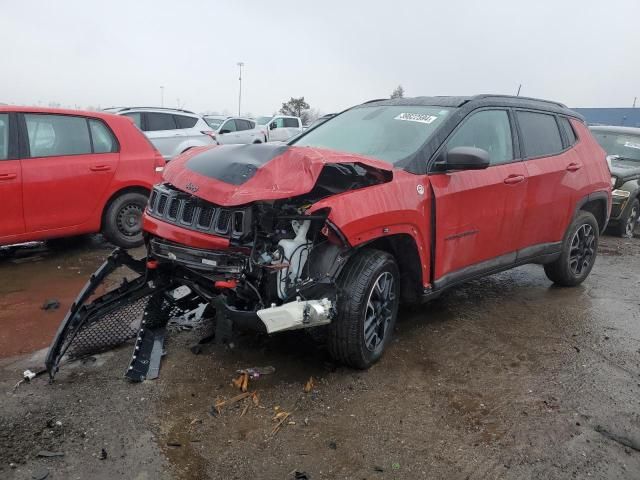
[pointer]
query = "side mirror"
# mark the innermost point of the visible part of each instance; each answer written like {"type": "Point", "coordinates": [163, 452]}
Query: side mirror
{"type": "Point", "coordinates": [272, 126]}
{"type": "Point", "coordinates": [467, 158]}
{"type": "Point", "coordinates": [223, 131]}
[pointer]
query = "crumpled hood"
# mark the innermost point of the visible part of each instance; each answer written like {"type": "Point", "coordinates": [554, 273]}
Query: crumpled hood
{"type": "Point", "coordinates": [231, 175]}
{"type": "Point", "coordinates": [624, 169]}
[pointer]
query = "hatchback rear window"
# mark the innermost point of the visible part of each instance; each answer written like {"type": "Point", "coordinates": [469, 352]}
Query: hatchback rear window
{"type": "Point", "coordinates": [540, 134]}
{"type": "Point", "coordinates": [159, 121]}
{"type": "Point", "coordinates": [57, 135]}
{"type": "Point", "coordinates": [387, 132]}
{"type": "Point", "coordinates": [185, 122]}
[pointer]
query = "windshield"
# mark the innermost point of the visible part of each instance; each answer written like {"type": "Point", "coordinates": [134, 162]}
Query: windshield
{"type": "Point", "coordinates": [389, 133]}
{"type": "Point", "coordinates": [622, 144]}
{"type": "Point", "coordinates": [263, 120]}
{"type": "Point", "coordinates": [214, 122]}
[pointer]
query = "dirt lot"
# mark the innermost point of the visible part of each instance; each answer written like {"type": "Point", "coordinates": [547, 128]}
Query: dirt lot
{"type": "Point", "coordinates": [505, 377]}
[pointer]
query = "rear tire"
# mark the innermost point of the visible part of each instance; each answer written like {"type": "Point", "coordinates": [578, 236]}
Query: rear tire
{"type": "Point", "coordinates": [628, 223]}
{"type": "Point", "coordinates": [367, 309]}
{"type": "Point", "coordinates": [579, 251]}
{"type": "Point", "coordinates": [122, 224]}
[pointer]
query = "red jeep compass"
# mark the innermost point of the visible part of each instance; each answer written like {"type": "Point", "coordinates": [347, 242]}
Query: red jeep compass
{"type": "Point", "coordinates": [390, 200]}
{"type": "Point", "coordinates": [67, 172]}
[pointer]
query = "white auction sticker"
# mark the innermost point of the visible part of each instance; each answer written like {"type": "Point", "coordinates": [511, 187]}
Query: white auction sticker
{"type": "Point", "coordinates": [416, 117]}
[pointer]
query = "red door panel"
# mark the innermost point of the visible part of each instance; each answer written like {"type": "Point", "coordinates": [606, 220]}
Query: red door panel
{"type": "Point", "coordinates": [65, 191]}
{"type": "Point", "coordinates": [478, 215]}
{"type": "Point", "coordinates": [554, 186]}
{"type": "Point", "coordinates": [12, 222]}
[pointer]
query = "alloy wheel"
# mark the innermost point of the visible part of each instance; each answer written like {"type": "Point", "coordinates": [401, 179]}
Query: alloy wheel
{"type": "Point", "coordinates": [631, 222]}
{"type": "Point", "coordinates": [582, 250]}
{"type": "Point", "coordinates": [379, 311]}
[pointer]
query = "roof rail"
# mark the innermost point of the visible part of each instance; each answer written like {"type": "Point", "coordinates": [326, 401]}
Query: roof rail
{"type": "Point", "coordinates": [374, 100]}
{"type": "Point", "coordinates": [488, 95]}
{"type": "Point", "coordinates": [123, 109]}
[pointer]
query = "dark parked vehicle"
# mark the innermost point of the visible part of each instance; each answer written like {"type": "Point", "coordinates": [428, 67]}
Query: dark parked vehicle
{"type": "Point", "coordinates": [622, 145]}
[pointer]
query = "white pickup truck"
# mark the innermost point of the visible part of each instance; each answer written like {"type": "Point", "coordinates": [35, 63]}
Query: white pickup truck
{"type": "Point", "coordinates": [279, 127]}
{"type": "Point", "coordinates": [227, 130]}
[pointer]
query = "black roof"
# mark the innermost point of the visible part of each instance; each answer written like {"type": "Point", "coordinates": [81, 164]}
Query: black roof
{"type": "Point", "coordinates": [480, 101]}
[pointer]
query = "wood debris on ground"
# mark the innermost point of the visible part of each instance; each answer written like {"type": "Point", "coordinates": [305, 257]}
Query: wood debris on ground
{"type": "Point", "coordinates": [309, 385]}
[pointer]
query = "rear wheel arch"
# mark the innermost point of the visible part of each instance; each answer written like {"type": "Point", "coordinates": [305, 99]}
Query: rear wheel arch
{"type": "Point", "coordinates": [597, 205]}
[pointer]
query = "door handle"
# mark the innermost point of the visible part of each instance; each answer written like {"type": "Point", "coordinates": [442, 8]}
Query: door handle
{"type": "Point", "coordinates": [574, 167]}
{"type": "Point", "coordinates": [100, 168]}
{"type": "Point", "coordinates": [513, 179]}
{"type": "Point", "coordinates": [8, 176]}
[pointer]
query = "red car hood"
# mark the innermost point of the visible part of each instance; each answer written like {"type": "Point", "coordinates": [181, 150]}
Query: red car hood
{"type": "Point", "coordinates": [231, 175]}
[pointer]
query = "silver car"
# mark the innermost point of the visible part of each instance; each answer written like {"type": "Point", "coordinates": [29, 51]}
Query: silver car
{"type": "Point", "coordinates": [235, 130]}
{"type": "Point", "coordinates": [172, 131]}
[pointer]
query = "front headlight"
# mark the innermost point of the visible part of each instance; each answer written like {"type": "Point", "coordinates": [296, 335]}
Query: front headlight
{"type": "Point", "coordinates": [613, 181]}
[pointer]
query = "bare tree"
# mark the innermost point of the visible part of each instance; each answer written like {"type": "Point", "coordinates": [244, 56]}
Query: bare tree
{"type": "Point", "coordinates": [398, 92]}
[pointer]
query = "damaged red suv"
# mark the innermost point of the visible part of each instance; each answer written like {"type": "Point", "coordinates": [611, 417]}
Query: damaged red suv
{"type": "Point", "coordinates": [389, 201]}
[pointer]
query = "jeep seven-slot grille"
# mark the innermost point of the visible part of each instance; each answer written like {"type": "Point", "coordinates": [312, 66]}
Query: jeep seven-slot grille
{"type": "Point", "coordinates": [187, 211]}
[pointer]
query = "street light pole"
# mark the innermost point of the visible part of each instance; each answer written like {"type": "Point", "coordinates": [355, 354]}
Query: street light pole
{"type": "Point", "coordinates": [240, 65]}
{"type": "Point", "coordinates": [161, 96]}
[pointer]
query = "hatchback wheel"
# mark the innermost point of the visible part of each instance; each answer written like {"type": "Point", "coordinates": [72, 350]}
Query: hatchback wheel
{"type": "Point", "coordinates": [579, 250]}
{"type": "Point", "coordinates": [123, 220]}
{"type": "Point", "coordinates": [629, 223]}
{"type": "Point", "coordinates": [367, 309]}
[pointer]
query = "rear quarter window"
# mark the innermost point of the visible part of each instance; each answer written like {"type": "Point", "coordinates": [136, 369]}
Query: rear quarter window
{"type": "Point", "coordinates": [4, 136]}
{"type": "Point", "coordinates": [540, 134]}
{"type": "Point", "coordinates": [185, 122]}
{"type": "Point", "coordinates": [568, 130]}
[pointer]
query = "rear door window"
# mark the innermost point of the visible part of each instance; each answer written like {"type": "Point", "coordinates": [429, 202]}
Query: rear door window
{"type": "Point", "coordinates": [4, 136]}
{"type": "Point", "coordinates": [159, 121]}
{"type": "Point", "coordinates": [185, 122]}
{"type": "Point", "coordinates": [489, 130]}
{"type": "Point", "coordinates": [103, 139]}
{"type": "Point", "coordinates": [229, 125]}
{"type": "Point", "coordinates": [291, 123]}
{"type": "Point", "coordinates": [540, 134]}
{"type": "Point", "coordinates": [57, 135]}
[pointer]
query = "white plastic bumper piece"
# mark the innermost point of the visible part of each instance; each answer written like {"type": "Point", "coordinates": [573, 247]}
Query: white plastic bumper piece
{"type": "Point", "coordinates": [297, 314]}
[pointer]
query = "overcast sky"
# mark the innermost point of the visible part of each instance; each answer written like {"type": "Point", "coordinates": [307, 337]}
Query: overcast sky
{"type": "Point", "coordinates": [334, 53]}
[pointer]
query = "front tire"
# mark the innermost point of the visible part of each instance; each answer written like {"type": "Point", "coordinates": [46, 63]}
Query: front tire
{"type": "Point", "coordinates": [367, 308]}
{"type": "Point", "coordinates": [579, 250]}
{"type": "Point", "coordinates": [627, 224]}
{"type": "Point", "coordinates": [123, 220]}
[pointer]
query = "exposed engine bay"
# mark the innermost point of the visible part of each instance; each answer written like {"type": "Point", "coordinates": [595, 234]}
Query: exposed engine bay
{"type": "Point", "coordinates": [273, 267]}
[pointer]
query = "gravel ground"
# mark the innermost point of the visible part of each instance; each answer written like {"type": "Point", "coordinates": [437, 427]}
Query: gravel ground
{"type": "Point", "coordinates": [505, 377]}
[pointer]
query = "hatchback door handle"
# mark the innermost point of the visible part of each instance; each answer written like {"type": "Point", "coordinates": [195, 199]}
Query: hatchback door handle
{"type": "Point", "coordinates": [100, 168]}
{"type": "Point", "coordinates": [8, 176]}
{"type": "Point", "coordinates": [574, 167]}
{"type": "Point", "coordinates": [512, 179]}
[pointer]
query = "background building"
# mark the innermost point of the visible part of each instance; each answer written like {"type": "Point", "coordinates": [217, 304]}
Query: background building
{"type": "Point", "coordinates": [626, 117]}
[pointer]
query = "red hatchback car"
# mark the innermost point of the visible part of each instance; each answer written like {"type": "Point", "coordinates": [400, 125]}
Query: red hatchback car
{"type": "Point", "coordinates": [69, 172]}
{"type": "Point", "coordinates": [389, 201]}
